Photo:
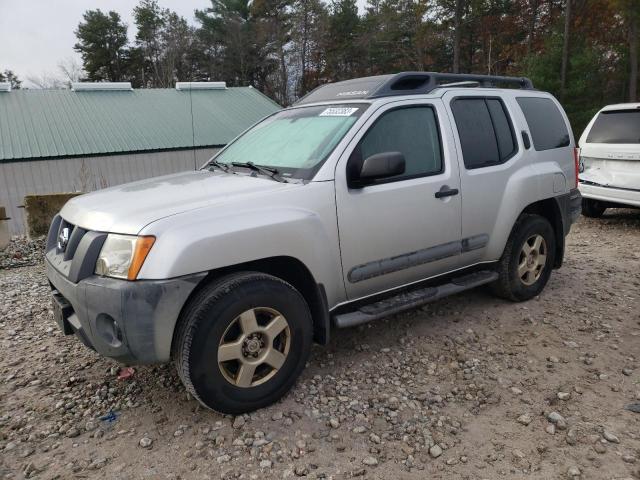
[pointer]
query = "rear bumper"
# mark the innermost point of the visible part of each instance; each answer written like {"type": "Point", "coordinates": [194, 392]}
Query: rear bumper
{"type": "Point", "coordinates": [619, 196]}
{"type": "Point", "coordinates": [131, 322]}
{"type": "Point", "coordinates": [575, 206]}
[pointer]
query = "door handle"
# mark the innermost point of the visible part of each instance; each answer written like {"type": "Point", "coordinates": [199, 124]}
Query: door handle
{"type": "Point", "coordinates": [445, 191]}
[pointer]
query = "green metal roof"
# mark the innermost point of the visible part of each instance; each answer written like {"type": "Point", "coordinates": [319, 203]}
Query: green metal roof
{"type": "Point", "coordinates": [62, 123]}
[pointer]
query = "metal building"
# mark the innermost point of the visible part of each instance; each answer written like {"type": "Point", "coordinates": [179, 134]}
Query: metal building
{"type": "Point", "coordinates": [104, 134]}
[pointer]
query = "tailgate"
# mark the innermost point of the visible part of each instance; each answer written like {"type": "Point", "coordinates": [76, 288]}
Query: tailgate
{"type": "Point", "coordinates": [619, 170]}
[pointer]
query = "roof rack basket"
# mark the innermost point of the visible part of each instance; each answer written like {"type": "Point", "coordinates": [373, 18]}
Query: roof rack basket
{"type": "Point", "coordinates": [408, 83]}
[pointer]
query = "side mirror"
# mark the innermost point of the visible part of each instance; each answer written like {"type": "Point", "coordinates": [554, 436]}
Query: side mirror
{"type": "Point", "coordinates": [382, 165]}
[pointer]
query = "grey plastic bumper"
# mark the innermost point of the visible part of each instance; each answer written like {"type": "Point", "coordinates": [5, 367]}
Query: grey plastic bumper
{"type": "Point", "coordinates": [570, 208]}
{"type": "Point", "coordinates": [575, 205]}
{"type": "Point", "coordinates": [131, 322]}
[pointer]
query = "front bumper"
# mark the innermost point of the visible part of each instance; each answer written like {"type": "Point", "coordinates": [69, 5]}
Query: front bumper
{"type": "Point", "coordinates": [620, 196]}
{"type": "Point", "coordinates": [131, 322]}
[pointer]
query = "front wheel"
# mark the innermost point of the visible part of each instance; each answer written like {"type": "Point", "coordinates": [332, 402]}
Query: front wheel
{"type": "Point", "coordinates": [242, 342]}
{"type": "Point", "coordinates": [527, 261]}
{"type": "Point", "coordinates": [592, 208]}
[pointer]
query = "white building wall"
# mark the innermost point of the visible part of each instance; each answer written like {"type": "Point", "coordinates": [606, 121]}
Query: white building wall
{"type": "Point", "coordinates": [85, 174]}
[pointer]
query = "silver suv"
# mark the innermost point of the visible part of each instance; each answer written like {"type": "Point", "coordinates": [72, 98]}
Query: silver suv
{"type": "Point", "coordinates": [366, 198]}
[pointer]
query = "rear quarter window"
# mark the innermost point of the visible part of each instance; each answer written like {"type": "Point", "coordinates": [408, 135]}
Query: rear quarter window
{"type": "Point", "coordinates": [485, 131]}
{"type": "Point", "coordinates": [546, 124]}
{"type": "Point", "coordinates": [616, 126]}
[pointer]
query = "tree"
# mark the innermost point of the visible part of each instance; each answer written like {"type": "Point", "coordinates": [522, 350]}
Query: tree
{"type": "Point", "coordinates": [457, 34]}
{"type": "Point", "coordinates": [344, 50]}
{"type": "Point", "coordinates": [308, 44]}
{"type": "Point", "coordinates": [47, 81]}
{"type": "Point", "coordinates": [226, 39]}
{"type": "Point", "coordinates": [12, 78]}
{"type": "Point", "coordinates": [565, 47]}
{"type": "Point", "coordinates": [177, 46]}
{"type": "Point", "coordinates": [149, 21]}
{"type": "Point", "coordinates": [631, 13]}
{"type": "Point", "coordinates": [102, 44]}
{"type": "Point", "coordinates": [633, 56]}
{"type": "Point", "coordinates": [583, 51]}
{"type": "Point", "coordinates": [273, 34]}
{"type": "Point", "coordinates": [71, 70]}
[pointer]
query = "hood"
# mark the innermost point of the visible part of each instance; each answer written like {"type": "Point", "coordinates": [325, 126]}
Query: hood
{"type": "Point", "coordinates": [130, 207]}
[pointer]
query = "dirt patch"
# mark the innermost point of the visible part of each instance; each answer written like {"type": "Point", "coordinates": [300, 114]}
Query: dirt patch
{"type": "Point", "coordinates": [471, 387]}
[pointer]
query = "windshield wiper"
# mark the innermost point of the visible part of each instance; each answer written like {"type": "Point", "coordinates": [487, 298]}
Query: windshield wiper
{"type": "Point", "coordinates": [225, 167]}
{"type": "Point", "coordinates": [268, 171]}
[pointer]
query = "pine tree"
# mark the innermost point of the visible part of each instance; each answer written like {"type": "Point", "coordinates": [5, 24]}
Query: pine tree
{"type": "Point", "coordinates": [309, 42]}
{"type": "Point", "coordinates": [344, 50]}
{"type": "Point", "coordinates": [102, 44]}
{"type": "Point", "coordinates": [12, 78]}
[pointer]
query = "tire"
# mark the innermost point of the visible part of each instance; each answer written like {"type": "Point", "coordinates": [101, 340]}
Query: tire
{"type": "Point", "coordinates": [218, 315]}
{"type": "Point", "coordinates": [511, 284]}
{"type": "Point", "coordinates": [592, 208]}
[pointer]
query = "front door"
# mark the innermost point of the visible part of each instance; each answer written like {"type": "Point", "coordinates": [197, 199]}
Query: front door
{"type": "Point", "coordinates": [405, 228]}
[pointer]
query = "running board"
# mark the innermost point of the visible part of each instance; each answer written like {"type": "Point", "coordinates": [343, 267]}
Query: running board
{"type": "Point", "coordinates": [413, 298]}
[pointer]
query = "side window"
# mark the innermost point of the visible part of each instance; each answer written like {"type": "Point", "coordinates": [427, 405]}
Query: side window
{"type": "Point", "coordinates": [485, 131]}
{"type": "Point", "coordinates": [412, 131]}
{"type": "Point", "coordinates": [504, 133]}
{"type": "Point", "coordinates": [546, 124]}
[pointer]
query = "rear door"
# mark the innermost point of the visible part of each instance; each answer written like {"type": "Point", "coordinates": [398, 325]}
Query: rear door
{"type": "Point", "coordinates": [486, 139]}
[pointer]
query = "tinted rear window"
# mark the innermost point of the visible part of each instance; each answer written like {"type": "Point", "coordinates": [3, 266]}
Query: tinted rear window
{"type": "Point", "coordinates": [485, 132]}
{"type": "Point", "coordinates": [545, 121]}
{"type": "Point", "coordinates": [616, 126]}
{"type": "Point", "coordinates": [504, 133]}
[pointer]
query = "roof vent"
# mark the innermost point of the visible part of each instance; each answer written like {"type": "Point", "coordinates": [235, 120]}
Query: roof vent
{"type": "Point", "coordinates": [100, 86]}
{"type": "Point", "coordinates": [201, 85]}
{"type": "Point", "coordinates": [410, 82]}
{"type": "Point", "coordinates": [5, 86]}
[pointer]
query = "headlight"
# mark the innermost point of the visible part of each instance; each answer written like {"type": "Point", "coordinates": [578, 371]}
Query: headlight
{"type": "Point", "coordinates": [122, 256]}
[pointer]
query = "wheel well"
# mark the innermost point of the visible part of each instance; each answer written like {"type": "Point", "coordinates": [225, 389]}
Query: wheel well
{"type": "Point", "coordinates": [294, 272]}
{"type": "Point", "coordinates": [550, 210]}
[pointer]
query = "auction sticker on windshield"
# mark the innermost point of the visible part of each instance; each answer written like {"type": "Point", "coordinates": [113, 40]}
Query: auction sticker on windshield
{"type": "Point", "coordinates": [338, 111]}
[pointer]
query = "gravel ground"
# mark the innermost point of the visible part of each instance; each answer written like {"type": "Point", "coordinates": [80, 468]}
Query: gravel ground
{"type": "Point", "coordinates": [471, 387]}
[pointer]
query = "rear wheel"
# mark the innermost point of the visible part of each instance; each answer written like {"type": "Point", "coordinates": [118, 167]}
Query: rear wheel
{"type": "Point", "coordinates": [242, 342]}
{"type": "Point", "coordinates": [527, 261]}
{"type": "Point", "coordinates": [592, 208]}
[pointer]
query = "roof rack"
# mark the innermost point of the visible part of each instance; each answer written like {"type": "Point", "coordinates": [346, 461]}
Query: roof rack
{"type": "Point", "coordinates": [407, 83]}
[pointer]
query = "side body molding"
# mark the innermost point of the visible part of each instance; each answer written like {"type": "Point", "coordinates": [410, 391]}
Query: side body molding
{"type": "Point", "coordinates": [384, 266]}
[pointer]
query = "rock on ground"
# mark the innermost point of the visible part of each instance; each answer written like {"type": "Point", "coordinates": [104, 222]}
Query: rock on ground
{"type": "Point", "coordinates": [461, 388]}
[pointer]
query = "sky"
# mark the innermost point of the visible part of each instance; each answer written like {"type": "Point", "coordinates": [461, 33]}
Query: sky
{"type": "Point", "coordinates": [36, 35]}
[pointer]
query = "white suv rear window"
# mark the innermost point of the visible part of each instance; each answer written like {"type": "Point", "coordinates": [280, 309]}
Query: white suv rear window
{"type": "Point", "coordinates": [616, 126]}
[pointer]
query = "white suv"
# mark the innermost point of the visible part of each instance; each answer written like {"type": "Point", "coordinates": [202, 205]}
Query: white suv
{"type": "Point", "coordinates": [610, 160]}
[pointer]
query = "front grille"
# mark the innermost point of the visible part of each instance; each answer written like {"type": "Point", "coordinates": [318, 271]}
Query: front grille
{"type": "Point", "coordinates": [73, 250]}
{"type": "Point", "coordinates": [68, 239]}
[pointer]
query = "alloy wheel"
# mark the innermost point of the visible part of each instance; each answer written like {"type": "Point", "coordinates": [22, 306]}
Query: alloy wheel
{"type": "Point", "coordinates": [254, 347]}
{"type": "Point", "coordinates": [532, 259]}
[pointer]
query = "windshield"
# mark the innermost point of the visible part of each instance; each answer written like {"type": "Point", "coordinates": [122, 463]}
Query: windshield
{"type": "Point", "coordinates": [295, 141]}
{"type": "Point", "coordinates": [616, 126]}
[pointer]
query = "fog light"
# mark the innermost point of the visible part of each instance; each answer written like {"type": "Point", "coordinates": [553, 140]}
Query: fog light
{"type": "Point", "coordinates": [109, 330]}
